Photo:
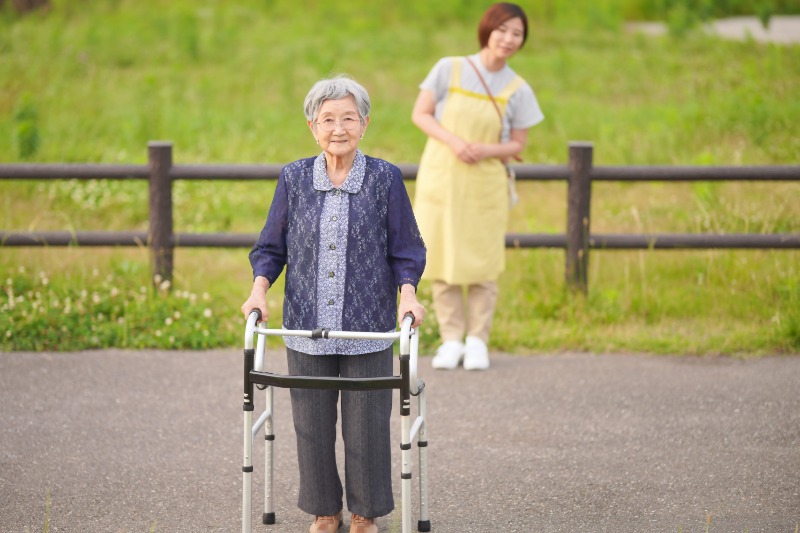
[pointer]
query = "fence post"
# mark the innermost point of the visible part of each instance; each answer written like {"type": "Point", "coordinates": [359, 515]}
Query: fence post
{"type": "Point", "coordinates": [579, 195]}
{"type": "Point", "coordinates": [159, 233]}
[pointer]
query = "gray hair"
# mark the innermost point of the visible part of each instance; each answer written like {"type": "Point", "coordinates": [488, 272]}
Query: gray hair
{"type": "Point", "coordinates": [336, 88]}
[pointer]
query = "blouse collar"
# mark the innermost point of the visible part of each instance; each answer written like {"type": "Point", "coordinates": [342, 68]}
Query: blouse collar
{"type": "Point", "coordinates": [352, 184]}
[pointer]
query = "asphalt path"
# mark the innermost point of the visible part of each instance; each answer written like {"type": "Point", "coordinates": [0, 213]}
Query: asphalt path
{"type": "Point", "coordinates": [124, 441]}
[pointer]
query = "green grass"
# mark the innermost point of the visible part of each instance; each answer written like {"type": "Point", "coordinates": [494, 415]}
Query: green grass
{"type": "Point", "coordinates": [94, 82]}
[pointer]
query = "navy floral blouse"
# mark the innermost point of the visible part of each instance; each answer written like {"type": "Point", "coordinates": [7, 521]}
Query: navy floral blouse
{"type": "Point", "coordinates": [346, 250]}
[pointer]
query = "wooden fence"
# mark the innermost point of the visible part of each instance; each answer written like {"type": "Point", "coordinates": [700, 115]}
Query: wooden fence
{"type": "Point", "coordinates": [577, 241]}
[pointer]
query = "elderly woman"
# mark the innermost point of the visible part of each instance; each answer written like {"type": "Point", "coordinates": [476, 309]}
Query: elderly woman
{"type": "Point", "coordinates": [342, 225]}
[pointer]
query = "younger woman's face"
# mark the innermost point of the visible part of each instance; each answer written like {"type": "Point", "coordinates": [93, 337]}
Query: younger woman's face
{"type": "Point", "coordinates": [507, 39]}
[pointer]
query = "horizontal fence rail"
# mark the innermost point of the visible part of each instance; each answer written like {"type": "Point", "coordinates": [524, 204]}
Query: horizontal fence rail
{"type": "Point", "coordinates": [579, 173]}
{"type": "Point", "coordinates": [213, 172]}
{"type": "Point", "coordinates": [513, 240]}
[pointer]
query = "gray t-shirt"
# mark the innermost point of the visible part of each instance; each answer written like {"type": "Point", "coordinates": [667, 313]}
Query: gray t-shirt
{"type": "Point", "coordinates": [523, 109]}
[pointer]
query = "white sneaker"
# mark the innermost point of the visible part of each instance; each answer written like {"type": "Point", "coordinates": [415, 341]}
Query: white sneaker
{"type": "Point", "coordinates": [448, 356]}
{"type": "Point", "coordinates": [476, 354]}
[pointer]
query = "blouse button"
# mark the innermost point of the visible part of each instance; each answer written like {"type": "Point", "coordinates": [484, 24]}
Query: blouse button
{"type": "Point", "coordinates": [331, 274]}
{"type": "Point", "coordinates": [330, 302]}
{"type": "Point", "coordinates": [332, 246]}
{"type": "Point", "coordinates": [333, 218]}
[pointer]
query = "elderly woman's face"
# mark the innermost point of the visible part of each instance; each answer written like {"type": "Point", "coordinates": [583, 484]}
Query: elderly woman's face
{"type": "Point", "coordinates": [338, 127]}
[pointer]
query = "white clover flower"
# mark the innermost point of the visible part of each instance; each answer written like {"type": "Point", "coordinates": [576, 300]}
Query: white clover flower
{"type": "Point", "coordinates": [114, 292]}
{"type": "Point", "coordinates": [157, 279]}
{"type": "Point", "coordinates": [121, 320]}
{"type": "Point", "coordinates": [207, 312]}
{"type": "Point", "coordinates": [9, 282]}
{"type": "Point", "coordinates": [171, 339]}
{"type": "Point", "coordinates": [95, 298]}
{"type": "Point", "coordinates": [177, 315]}
{"type": "Point", "coordinates": [206, 296]}
{"type": "Point", "coordinates": [84, 294]}
{"type": "Point", "coordinates": [64, 329]}
{"type": "Point", "coordinates": [205, 333]}
{"type": "Point", "coordinates": [95, 340]}
{"type": "Point", "coordinates": [100, 316]}
{"type": "Point", "coordinates": [158, 333]}
{"type": "Point", "coordinates": [95, 272]}
{"type": "Point", "coordinates": [8, 334]}
{"type": "Point", "coordinates": [168, 321]}
{"type": "Point", "coordinates": [21, 270]}
{"type": "Point", "coordinates": [165, 285]}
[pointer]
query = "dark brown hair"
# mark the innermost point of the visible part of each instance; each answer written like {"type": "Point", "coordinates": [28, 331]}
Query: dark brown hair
{"type": "Point", "coordinates": [496, 16]}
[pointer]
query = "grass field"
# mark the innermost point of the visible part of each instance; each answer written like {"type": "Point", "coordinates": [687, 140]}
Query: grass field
{"type": "Point", "coordinates": [94, 82]}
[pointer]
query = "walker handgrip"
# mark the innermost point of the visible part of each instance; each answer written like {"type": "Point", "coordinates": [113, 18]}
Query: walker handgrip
{"type": "Point", "coordinates": [408, 348]}
{"type": "Point", "coordinates": [252, 319]}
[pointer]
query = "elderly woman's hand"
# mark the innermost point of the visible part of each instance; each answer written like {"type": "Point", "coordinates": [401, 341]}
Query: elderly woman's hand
{"type": "Point", "coordinates": [257, 299]}
{"type": "Point", "coordinates": [409, 304]}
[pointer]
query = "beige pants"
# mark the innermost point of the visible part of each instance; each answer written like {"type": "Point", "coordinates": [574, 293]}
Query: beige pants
{"type": "Point", "coordinates": [448, 304]}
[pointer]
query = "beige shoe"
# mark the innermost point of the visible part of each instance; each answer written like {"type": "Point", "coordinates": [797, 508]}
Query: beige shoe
{"type": "Point", "coordinates": [360, 524]}
{"type": "Point", "coordinates": [326, 524]}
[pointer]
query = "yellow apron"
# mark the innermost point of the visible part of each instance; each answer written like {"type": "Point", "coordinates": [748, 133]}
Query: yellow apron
{"type": "Point", "coordinates": [462, 209]}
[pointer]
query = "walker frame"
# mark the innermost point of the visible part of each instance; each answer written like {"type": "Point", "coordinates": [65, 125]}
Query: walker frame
{"type": "Point", "coordinates": [407, 383]}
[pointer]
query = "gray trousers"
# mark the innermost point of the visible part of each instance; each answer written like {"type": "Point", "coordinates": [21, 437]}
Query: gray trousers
{"type": "Point", "coordinates": [365, 431]}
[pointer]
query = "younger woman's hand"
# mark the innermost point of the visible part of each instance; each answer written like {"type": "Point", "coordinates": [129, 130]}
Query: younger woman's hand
{"type": "Point", "coordinates": [464, 151]}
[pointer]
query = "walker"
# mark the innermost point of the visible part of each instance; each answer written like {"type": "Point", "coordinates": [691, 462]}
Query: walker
{"type": "Point", "coordinates": [407, 383]}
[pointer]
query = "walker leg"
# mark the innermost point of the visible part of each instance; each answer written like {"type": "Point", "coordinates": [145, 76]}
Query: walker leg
{"type": "Point", "coordinates": [247, 472]}
{"type": "Point", "coordinates": [247, 462]}
{"type": "Point", "coordinates": [424, 523]}
{"type": "Point", "coordinates": [405, 476]}
{"type": "Point", "coordinates": [269, 471]}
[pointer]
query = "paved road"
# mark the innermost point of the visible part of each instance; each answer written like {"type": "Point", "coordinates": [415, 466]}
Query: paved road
{"type": "Point", "coordinates": [782, 29]}
{"type": "Point", "coordinates": [151, 441]}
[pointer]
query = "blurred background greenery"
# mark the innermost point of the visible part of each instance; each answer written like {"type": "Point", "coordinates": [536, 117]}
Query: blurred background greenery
{"type": "Point", "coordinates": [94, 81]}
